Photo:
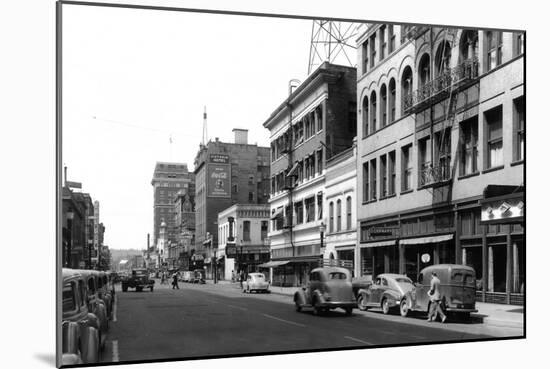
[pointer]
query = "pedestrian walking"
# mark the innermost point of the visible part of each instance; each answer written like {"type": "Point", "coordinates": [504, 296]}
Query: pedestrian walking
{"type": "Point", "coordinates": [435, 299]}
{"type": "Point", "coordinates": [162, 278]}
{"type": "Point", "coordinates": [232, 276]}
{"type": "Point", "coordinates": [175, 281]}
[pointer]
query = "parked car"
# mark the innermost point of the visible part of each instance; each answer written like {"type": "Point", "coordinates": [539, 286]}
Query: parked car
{"type": "Point", "coordinates": [387, 292]}
{"type": "Point", "coordinates": [328, 288]}
{"type": "Point", "coordinates": [105, 291]}
{"type": "Point", "coordinates": [457, 288]}
{"type": "Point", "coordinates": [96, 305]}
{"type": "Point", "coordinates": [139, 279]}
{"type": "Point", "coordinates": [198, 276]}
{"type": "Point", "coordinates": [186, 276]}
{"type": "Point", "coordinates": [79, 327]}
{"type": "Point", "coordinates": [256, 282]}
{"type": "Point", "coordinates": [360, 283]}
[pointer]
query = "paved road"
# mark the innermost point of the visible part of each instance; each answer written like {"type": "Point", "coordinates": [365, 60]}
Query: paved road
{"type": "Point", "coordinates": [215, 320]}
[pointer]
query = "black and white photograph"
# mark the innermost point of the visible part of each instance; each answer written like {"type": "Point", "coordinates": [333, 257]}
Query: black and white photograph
{"type": "Point", "coordinates": [248, 183]}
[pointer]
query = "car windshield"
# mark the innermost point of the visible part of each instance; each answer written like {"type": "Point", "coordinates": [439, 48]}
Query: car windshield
{"type": "Point", "coordinates": [337, 275]}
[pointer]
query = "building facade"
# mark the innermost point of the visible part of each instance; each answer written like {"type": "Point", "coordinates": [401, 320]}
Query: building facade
{"type": "Point", "coordinates": [226, 174]}
{"type": "Point", "coordinates": [242, 239]}
{"type": "Point", "coordinates": [316, 122]}
{"type": "Point", "coordinates": [184, 212]}
{"type": "Point", "coordinates": [442, 121]}
{"type": "Point", "coordinates": [341, 209]}
{"type": "Point", "coordinates": [168, 179]}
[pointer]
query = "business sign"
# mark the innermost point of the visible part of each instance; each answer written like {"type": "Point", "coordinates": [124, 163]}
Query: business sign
{"type": "Point", "coordinates": [382, 231]}
{"type": "Point", "coordinates": [508, 210]}
{"type": "Point", "coordinates": [218, 176]}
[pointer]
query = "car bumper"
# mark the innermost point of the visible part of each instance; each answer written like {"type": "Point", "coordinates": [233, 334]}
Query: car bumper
{"type": "Point", "coordinates": [460, 310]}
{"type": "Point", "coordinates": [338, 304]}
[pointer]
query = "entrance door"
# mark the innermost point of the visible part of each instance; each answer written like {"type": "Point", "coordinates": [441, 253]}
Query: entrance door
{"type": "Point", "coordinates": [414, 261]}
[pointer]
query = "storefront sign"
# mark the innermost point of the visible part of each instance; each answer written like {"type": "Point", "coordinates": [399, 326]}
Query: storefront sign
{"type": "Point", "coordinates": [219, 158]}
{"type": "Point", "coordinates": [508, 210]}
{"type": "Point", "coordinates": [382, 231]}
{"type": "Point", "coordinates": [218, 181]}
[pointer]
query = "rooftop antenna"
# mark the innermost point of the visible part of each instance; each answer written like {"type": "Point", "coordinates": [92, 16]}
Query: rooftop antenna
{"type": "Point", "coordinates": [332, 42]}
{"type": "Point", "coordinates": [204, 128]}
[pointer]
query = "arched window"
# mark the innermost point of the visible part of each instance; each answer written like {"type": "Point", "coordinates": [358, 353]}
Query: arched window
{"type": "Point", "coordinates": [443, 57]}
{"type": "Point", "coordinates": [331, 217]}
{"type": "Point", "coordinates": [348, 212]}
{"type": "Point", "coordinates": [365, 117]}
{"type": "Point", "coordinates": [406, 90]}
{"type": "Point", "coordinates": [468, 46]}
{"type": "Point", "coordinates": [338, 216]}
{"type": "Point", "coordinates": [392, 100]}
{"type": "Point", "coordinates": [424, 70]}
{"type": "Point", "coordinates": [383, 106]}
{"type": "Point", "coordinates": [373, 112]}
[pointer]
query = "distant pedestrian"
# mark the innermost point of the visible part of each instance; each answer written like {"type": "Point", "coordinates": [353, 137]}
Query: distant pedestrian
{"type": "Point", "coordinates": [241, 278]}
{"type": "Point", "coordinates": [232, 276]}
{"type": "Point", "coordinates": [435, 298]}
{"type": "Point", "coordinates": [175, 281]}
{"type": "Point", "coordinates": [162, 278]}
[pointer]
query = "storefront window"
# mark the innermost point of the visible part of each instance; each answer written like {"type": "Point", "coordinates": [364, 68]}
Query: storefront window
{"type": "Point", "coordinates": [474, 260]}
{"type": "Point", "coordinates": [498, 266]}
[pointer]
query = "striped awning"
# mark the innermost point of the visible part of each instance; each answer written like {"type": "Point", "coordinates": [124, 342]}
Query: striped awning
{"type": "Point", "coordinates": [273, 264]}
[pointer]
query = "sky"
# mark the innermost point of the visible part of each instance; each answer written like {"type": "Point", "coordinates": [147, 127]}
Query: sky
{"type": "Point", "coordinates": [134, 80]}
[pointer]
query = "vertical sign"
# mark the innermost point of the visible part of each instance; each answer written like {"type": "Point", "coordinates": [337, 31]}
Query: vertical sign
{"type": "Point", "coordinates": [218, 172]}
{"type": "Point", "coordinates": [96, 231]}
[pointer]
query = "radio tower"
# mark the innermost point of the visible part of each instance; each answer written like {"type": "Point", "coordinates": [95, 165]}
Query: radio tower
{"type": "Point", "coordinates": [333, 42]}
{"type": "Point", "coordinates": [204, 128]}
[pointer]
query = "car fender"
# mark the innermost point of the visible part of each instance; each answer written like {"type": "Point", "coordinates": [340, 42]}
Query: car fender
{"type": "Point", "coordinates": [92, 321]}
{"type": "Point", "coordinates": [300, 297]}
{"type": "Point", "coordinates": [319, 296]}
{"type": "Point", "coordinates": [71, 334]}
{"type": "Point", "coordinates": [90, 345]}
{"type": "Point", "coordinates": [392, 297]}
{"type": "Point", "coordinates": [410, 300]}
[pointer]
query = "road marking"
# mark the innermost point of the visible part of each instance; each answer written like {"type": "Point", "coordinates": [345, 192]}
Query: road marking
{"type": "Point", "coordinates": [283, 320]}
{"type": "Point", "coordinates": [358, 340]}
{"type": "Point", "coordinates": [114, 308]}
{"type": "Point", "coordinates": [115, 351]}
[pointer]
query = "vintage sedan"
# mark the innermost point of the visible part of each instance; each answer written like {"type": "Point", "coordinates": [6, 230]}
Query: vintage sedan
{"type": "Point", "coordinates": [256, 282]}
{"type": "Point", "coordinates": [79, 327]}
{"type": "Point", "coordinates": [96, 305]}
{"type": "Point", "coordinates": [328, 288]}
{"type": "Point", "coordinates": [457, 289]}
{"type": "Point", "coordinates": [387, 292]}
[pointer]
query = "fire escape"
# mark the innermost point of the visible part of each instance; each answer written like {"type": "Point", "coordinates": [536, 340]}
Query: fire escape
{"type": "Point", "coordinates": [444, 92]}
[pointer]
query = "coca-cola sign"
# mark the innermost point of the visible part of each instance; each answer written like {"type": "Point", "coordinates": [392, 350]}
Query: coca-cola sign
{"type": "Point", "coordinates": [218, 180]}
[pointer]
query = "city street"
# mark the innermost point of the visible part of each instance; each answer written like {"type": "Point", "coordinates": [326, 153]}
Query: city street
{"type": "Point", "coordinates": [214, 320]}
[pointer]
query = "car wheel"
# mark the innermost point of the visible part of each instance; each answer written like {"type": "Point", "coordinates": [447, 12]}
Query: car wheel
{"type": "Point", "coordinates": [297, 305]}
{"type": "Point", "coordinates": [362, 302]}
{"type": "Point", "coordinates": [124, 288]}
{"type": "Point", "coordinates": [385, 306]}
{"type": "Point", "coordinates": [348, 311]}
{"type": "Point", "coordinates": [247, 289]}
{"type": "Point", "coordinates": [151, 288]}
{"type": "Point", "coordinates": [317, 310]}
{"type": "Point", "coordinates": [139, 289]}
{"type": "Point", "coordinates": [404, 308]}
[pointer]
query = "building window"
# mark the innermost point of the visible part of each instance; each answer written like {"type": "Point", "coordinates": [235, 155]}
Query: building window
{"type": "Point", "coordinates": [519, 43]}
{"type": "Point", "coordinates": [331, 216]}
{"type": "Point", "coordinates": [383, 106]}
{"type": "Point", "coordinates": [338, 216]}
{"type": "Point", "coordinates": [468, 147]}
{"type": "Point", "coordinates": [372, 50]}
{"type": "Point", "coordinates": [365, 56]}
{"type": "Point", "coordinates": [319, 206]}
{"type": "Point", "coordinates": [299, 209]}
{"type": "Point", "coordinates": [251, 196]}
{"type": "Point", "coordinates": [383, 177]}
{"type": "Point", "coordinates": [246, 230]}
{"type": "Point", "coordinates": [320, 161]}
{"type": "Point", "coordinates": [392, 100]}
{"type": "Point", "coordinates": [519, 128]}
{"type": "Point", "coordinates": [493, 119]}
{"type": "Point", "coordinates": [382, 42]}
{"type": "Point", "coordinates": [365, 181]}
{"type": "Point", "coordinates": [319, 117]}
{"type": "Point", "coordinates": [250, 180]}
{"type": "Point", "coordinates": [348, 213]}
{"type": "Point", "coordinates": [391, 39]}
{"type": "Point", "coordinates": [373, 179]}
{"type": "Point", "coordinates": [235, 188]}
{"type": "Point", "coordinates": [365, 116]}
{"type": "Point", "coordinates": [443, 57]}
{"type": "Point", "coordinates": [424, 71]}
{"type": "Point", "coordinates": [494, 49]}
{"type": "Point", "coordinates": [352, 118]}
{"type": "Point", "coordinates": [424, 160]}
{"type": "Point", "coordinates": [391, 173]}
{"type": "Point", "coordinates": [263, 230]}
{"type": "Point", "coordinates": [468, 45]}
{"type": "Point", "coordinates": [406, 168]}
{"type": "Point", "coordinates": [443, 147]}
{"type": "Point", "coordinates": [373, 112]}
{"type": "Point", "coordinates": [406, 89]}
{"type": "Point", "coordinates": [310, 209]}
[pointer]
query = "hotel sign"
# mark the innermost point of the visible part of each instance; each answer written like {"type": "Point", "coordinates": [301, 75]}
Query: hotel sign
{"type": "Point", "coordinates": [508, 209]}
{"type": "Point", "coordinates": [218, 176]}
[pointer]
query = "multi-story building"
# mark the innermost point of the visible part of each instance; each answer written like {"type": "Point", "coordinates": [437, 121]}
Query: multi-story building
{"type": "Point", "coordinates": [316, 122]}
{"type": "Point", "coordinates": [242, 239]}
{"type": "Point", "coordinates": [184, 212]}
{"type": "Point", "coordinates": [87, 206]}
{"type": "Point", "coordinates": [226, 174]}
{"type": "Point", "coordinates": [441, 131]}
{"type": "Point", "coordinates": [341, 209]}
{"type": "Point", "coordinates": [168, 179]}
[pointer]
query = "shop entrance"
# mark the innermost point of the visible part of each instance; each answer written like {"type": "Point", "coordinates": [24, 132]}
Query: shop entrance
{"type": "Point", "coordinates": [414, 262]}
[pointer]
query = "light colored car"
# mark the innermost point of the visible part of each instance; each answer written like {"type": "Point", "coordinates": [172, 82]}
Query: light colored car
{"type": "Point", "coordinates": [387, 292]}
{"type": "Point", "coordinates": [186, 276]}
{"type": "Point", "coordinates": [328, 288]}
{"type": "Point", "coordinates": [79, 327]}
{"type": "Point", "coordinates": [255, 282]}
{"type": "Point", "coordinates": [96, 305]}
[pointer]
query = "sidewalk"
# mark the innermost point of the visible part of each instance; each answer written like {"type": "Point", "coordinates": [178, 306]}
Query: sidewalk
{"type": "Point", "coordinates": [500, 315]}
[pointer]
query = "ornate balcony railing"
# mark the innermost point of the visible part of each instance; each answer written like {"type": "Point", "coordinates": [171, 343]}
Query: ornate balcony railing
{"type": "Point", "coordinates": [433, 175]}
{"type": "Point", "coordinates": [412, 33]}
{"type": "Point", "coordinates": [439, 87]}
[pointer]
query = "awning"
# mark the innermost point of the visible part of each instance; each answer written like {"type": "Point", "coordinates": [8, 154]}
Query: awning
{"type": "Point", "coordinates": [292, 171]}
{"type": "Point", "coordinates": [431, 239]}
{"type": "Point", "coordinates": [273, 264]}
{"type": "Point", "coordinates": [379, 243]}
{"type": "Point", "coordinates": [278, 213]}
